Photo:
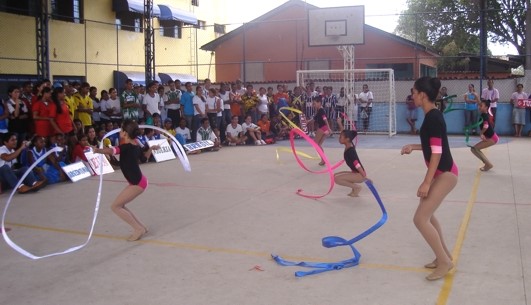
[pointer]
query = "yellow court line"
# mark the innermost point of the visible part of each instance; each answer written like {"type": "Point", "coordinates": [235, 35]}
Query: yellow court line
{"type": "Point", "coordinates": [446, 289]}
{"type": "Point", "coordinates": [189, 246]}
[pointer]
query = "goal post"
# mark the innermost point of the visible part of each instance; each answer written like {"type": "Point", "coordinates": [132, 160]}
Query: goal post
{"type": "Point", "coordinates": [378, 119]}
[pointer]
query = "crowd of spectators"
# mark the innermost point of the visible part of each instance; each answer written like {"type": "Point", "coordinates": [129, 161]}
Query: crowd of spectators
{"type": "Point", "coordinates": [37, 117]}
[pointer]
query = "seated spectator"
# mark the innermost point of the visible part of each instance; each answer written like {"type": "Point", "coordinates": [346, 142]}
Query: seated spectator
{"type": "Point", "coordinates": [235, 134]}
{"type": "Point", "coordinates": [182, 133]}
{"type": "Point", "coordinates": [206, 133]}
{"type": "Point", "coordinates": [62, 156]}
{"type": "Point", "coordinates": [168, 126]}
{"type": "Point", "coordinates": [279, 128]}
{"type": "Point", "coordinates": [91, 136]}
{"type": "Point", "coordinates": [9, 176]}
{"type": "Point", "coordinates": [47, 169]}
{"type": "Point", "coordinates": [252, 132]}
{"type": "Point", "coordinates": [265, 126]}
{"type": "Point", "coordinates": [78, 153]}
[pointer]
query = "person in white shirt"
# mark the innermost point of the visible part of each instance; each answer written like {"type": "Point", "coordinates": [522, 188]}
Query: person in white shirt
{"type": "Point", "coordinates": [151, 101]}
{"type": "Point", "coordinates": [182, 133]}
{"type": "Point", "coordinates": [9, 176]}
{"type": "Point", "coordinates": [235, 134]}
{"type": "Point", "coordinates": [365, 98]}
{"type": "Point", "coordinates": [252, 131]}
{"type": "Point", "coordinates": [493, 95]}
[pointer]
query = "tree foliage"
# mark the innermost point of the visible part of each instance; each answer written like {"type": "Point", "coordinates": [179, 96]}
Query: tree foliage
{"type": "Point", "coordinates": [455, 24]}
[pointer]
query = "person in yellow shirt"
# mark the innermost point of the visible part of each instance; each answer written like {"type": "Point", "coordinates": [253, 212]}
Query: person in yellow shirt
{"type": "Point", "coordinates": [84, 105]}
{"type": "Point", "coordinates": [69, 100]}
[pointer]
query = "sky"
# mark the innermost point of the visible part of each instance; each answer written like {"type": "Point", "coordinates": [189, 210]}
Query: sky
{"type": "Point", "coordinates": [382, 14]}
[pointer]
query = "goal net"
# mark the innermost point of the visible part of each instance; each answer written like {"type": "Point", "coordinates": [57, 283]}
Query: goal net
{"type": "Point", "coordinates": [378, 118]}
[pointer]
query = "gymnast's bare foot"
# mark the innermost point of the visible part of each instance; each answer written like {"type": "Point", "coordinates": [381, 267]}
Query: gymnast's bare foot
{"type": "Point", "coordinates": [137, 234]}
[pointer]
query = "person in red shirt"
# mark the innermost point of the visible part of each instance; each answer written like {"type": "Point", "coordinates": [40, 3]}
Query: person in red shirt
{"type": "Point", "coordinates": [41, 114]}
{"type": "Point", "coordinates": [59, 111]}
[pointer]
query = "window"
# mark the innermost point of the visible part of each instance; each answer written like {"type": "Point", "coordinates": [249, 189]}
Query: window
{"type": "Point", "coordinates": [67, 10]}
{"type": "Point", "coordinates": [200, 25]}
{"type": "Point", "coordinates": [195, 2]}
{"type": "Point", "coordinates": [19, 7]}
{"type": "Point", "coordinates": [170, 28]}
{"type": "Point", "coordinates": [128, 21]}
{"type": "Point", "coordinates": [219, 29]}
{"type": "Point", "coordinates": [428, 71]}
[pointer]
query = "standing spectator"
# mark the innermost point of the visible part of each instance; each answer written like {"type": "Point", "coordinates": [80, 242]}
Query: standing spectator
{"type": "Point", "coordinates": [41, 114]}
{"type": "Point", "coordinates": [224, 95]}
{"type": "Point", "coordinates": [235, 102]}
{"type": "Point", "coordinates": [96, 110]}
{"type": "Point", "coordinates": [172, 101]}
{"type": "Point", "coordinates": [59, 111]}
{"type": "Point", "coordinates": [493, 95]}
{"type": "Point", "coordinates": [19, 114]}
{"type": "Point", "coordinates": [250, 102]}
{"type": "Point", "coordinates": [199, 102]}
{"type": "Point", "coordinates": [113, 107]}
{"type": "Point", "coordinates": [281, 98]}
{"type": "Point", "coordinates": [69, 99]}
{"type": "Point", "coordinates": [214, 109]}
{"type": "Point", "coordinates": [329, 106]}
{"type": "Point", "coordinates": [129, 102]}
{"type": "Point", "coordinates": [187, 104]}
{"type": "Point", "coordinates": [151, 102]}
{"type": "Point", "coordinates": [411, 113]}
{"type": "Point", "coordinates": [84, 104]}
{"type": "Point", "coordinates": [471, 108]}
{"type": "Point", "coordinates": [440, 102]}
{"type": "Point", "coordinates": [366, 98]}
{"type": "Point", "coordinates": [518, 109]}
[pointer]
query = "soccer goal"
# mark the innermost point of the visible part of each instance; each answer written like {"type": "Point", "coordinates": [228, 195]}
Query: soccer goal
{"type": "Point", "coordinates": [381, 117]}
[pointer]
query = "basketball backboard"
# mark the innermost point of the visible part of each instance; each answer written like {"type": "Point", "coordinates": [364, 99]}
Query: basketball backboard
{"type": "Point", "coordinates": [336, 26]}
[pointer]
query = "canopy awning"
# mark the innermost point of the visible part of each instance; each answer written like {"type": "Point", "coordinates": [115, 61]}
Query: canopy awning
{"type": "Point", "coordinates": [134, 6]}
{"type": "Point", "coordinates": [137, 77]}
{"type": "Point", "coordinates": [168, 12]}
{"type": "Point", "coordinates": [166, 77]}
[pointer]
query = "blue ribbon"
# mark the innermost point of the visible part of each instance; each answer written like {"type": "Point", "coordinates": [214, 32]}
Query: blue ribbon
{"type": "Point", "coordinates": [336, 241]}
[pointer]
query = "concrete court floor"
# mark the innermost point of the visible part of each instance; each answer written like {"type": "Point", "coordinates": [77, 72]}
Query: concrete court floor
{"type": "Point", "coordinates": [210, 228]}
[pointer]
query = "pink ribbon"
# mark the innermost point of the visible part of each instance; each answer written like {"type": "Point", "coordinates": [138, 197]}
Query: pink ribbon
{"type": "Point", "coordinates": [329, 169]}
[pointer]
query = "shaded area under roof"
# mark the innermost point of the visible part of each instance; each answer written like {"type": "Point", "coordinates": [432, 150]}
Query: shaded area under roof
{"type": "Point", "coordinates": [168, 12]}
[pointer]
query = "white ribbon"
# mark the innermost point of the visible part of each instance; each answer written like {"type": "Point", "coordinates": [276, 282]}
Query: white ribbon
{"type": "Point", "coordinates": [176, 145]}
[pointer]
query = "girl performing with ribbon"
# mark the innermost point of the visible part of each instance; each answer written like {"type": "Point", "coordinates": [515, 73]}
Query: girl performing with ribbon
{"type": "Point", "coordinates": [323, 127]}
{"type": "Point", "coordinates": [129, 153]}
{"type": "Point", "coordinates": [440, 178]}
{"type": "Point", "coordinates": [357, 174]}
{"type": "Point", "coordinates": [487, 135]}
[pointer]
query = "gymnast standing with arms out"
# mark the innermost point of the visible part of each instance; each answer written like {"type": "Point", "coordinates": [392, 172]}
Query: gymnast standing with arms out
{"type": "Point", "coordinates": [130, 154]}
{"type": "Point", "coordinates": [357, 173]}
{"type": "Point", "coordinates": [441, 176]}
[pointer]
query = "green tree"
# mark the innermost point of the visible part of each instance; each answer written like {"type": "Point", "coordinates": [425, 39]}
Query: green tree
{"type": "Point", "coordinates": [440, 23]}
